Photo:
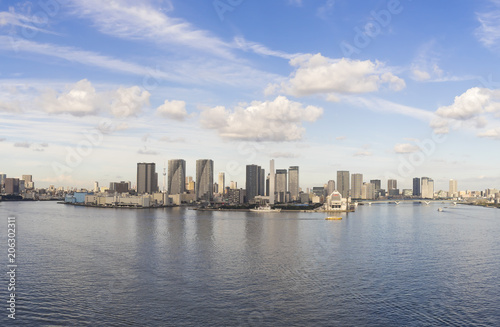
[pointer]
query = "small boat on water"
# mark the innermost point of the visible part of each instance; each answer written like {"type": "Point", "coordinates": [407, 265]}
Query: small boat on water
{"type": "Point", "coordinates": [265, 209]}
{"type": "Point", "coordinates": [440, 209]}
{"type": "Point", "coordinates": [333, 218]}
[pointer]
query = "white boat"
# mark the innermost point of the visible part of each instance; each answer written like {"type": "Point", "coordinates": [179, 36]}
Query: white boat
{"type": "Point", "coordinates": [440, 209]}
{"type": "Point", "coordinates": [265, 209]}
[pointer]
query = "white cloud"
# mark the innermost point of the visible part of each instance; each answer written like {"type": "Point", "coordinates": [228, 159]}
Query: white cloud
{"type": "Point", "coordinates": [289, 155]}
{"type": "Point", "coordinates": [22, 145]}
{"type": "Point", "coordinates": [128, 102]}
{"type": "Point", "coordinates": [406, 148]}
{"type": "Point", "coordinates": [140, 21]}
{"type": "Point", "coordinates": [258, 48]}
{"type": "Point", "coordinates": [325, 10]}
{"type": "Point", "coordinates": [82, 99]}
{"type": "Point", "coordinates": [492, 133]}
{"type": "Point", "coordinates": [147, 151]}
{"type": "Point", "coordinates": [279, 120]}
{"type": "Point", "coordinates": [316, 74]}
{"type": "Point", "coordinates": [472, 103]}
{"type": "Point", "coordinates": [340, 138]}
{"type": "Point", "coordinates": [26, 22]}
{"type": "Point", "coordinates": [363, 153]}
{"type": "Point", "coordinates": [420, 75]}
{"type": "Point", "coordinates": [173, 109]}
{"type": "Point", "coordinates": [488, 32]}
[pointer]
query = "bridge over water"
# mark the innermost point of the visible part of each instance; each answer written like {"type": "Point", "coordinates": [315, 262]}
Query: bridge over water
{"type": "Point", "coordinates": [422, 201]}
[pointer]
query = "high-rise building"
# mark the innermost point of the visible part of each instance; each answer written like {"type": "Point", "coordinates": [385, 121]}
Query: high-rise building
{"type": "Point", "coordinates": [377, 184]}
{"type": "Point", "coordinates": [176, 176]}
{"type": "Point", "coordinates": [416, 186]}
{"type": "Point", "coordinates": [343, 183]}
{"type": "Point", "coordinates": [356, 184]}
{"type": "Point", "coordinates": [427, 188]}
{"type": "Point", "coordinates": [11, 185]}
{"type": "Point", "coordinates": [147, 178]}
{"type": "Point", "coordinates": [272, 183]}
{"type": "Point", "coordinates": [293, 183]}
{"type": "Point", "coordinates": [233, 185]}
{"type": "Point", "coordinates": [368, 191]}
{"type": "Point", "coordinates": [119, 187]}
{"type": "Point", "coordinates": [2, 181]}
{"type": "Point", "coordinates": [222, 182]}
{"type": "Point", "coordinates": [392, 184]}
{"type": "Point", "coordinates": [262, 182]}
{"type": "Point", "coordinates": [96, 187]}
{"type": "Point", "coordinates": [330, 187]}
{"type": "Point", "coordinates": [204, 179]}
{"type": "Point", "coordinates": [252, 181]}
{"type": "Point", "coordinates": [28, 182]}
{"type": "Point", "coordinates": [453, 189]}
{"type": "Point", "coordinates": [281, 185]}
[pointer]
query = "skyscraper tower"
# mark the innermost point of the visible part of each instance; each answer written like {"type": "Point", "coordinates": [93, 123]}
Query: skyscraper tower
{"type": "Point", "coordinates": [343, 183]}
{"type": "Point", "coordinates": [176, 176]}
{"type": "Point", "coordinates": [271, 182]}
{"type": "Point", "coordinates": [222, 183]}
{"type": "Point", "coordinates": [147, 178]}
{"type": "Point", "coordinates": [427, 188]}
{"type": "Point", "coordinates": [252, 181]}
{"type": "Point", "coordinates": [453, 188]}
{"type": "Point", "coordinates": [281, 185]}
{"type": "Point", "coordinates": [416, 186]}
{"type": "Point", "coordinates": [293, 182]}
{"type": "Point", "coordinates": [330, 187]}
{"type": "Point", "coordinates": [392, 184]}
{"type": "Point", "coordinates": [356, 184]}
{"type": "Point", "coordinates": [204, 179]}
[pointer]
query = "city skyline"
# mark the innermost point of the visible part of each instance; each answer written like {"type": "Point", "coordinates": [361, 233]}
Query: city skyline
{"type": "Point", "coordinates": [93, 87]}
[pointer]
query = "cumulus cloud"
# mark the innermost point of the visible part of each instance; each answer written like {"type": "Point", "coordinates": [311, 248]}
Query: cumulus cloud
{"type": "Point", "coordinates": [316, 74]}
{"type": "Point", "coordinates": [491, 133]}
{"type": "Point", "coordinates": [82, 99]}
{"type": "Point", "coordinates": [278, 120]}
{"type": "Point", "coordinates": [406, 148]}
{"type": "Point", "coordinates": [474, 108]}
{"type": "Point", "coordinates": [173, 110]}
{"type": "Point", "coordinates": [173, 139]}
{"type": "Point", "coordinates": [472, 103]}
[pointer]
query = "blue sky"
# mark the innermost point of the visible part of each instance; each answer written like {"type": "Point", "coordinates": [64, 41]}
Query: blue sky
{"type": "Point", "coordinates": [390, 89]}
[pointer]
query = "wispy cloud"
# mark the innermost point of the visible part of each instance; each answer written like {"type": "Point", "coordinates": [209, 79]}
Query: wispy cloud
{"type": "Point", "coordinates": [26, 22]}
{"type": "Point", "coordinates": [488, 32]}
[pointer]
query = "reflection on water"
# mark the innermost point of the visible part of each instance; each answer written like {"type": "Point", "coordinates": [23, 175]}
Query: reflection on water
{"type": "Point", "coordinates": [383, 265]}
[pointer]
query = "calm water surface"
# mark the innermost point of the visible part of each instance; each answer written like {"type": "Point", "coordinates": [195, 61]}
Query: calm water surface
{"type": "Point", "coordinates": [384, 265]}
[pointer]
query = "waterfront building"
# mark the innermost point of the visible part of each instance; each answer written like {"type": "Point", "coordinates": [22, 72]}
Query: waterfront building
{"type": "Point", "coordinates": [416, 187]}
{"type": "Point", "coordinates": [272, 183]}
{"type": "Point", "coordinates": [119, 187]}
{"type": "Point", "coordinates": [293, 182]}
{"type": "Point", "coordinates": [147, 178]}
{"type": "Point", "coordinates": [281, 185]}
{"type": "Point", "coordinates": [343, 183]}
{"type": "Point", "coordinates": [356, 184]}
{"type": "Point", "coordinates": [330, 187]}
{"type": "Point", "coordinates": [368, 191]}
{"type": "Point", "coordinates": [28, 182]}
{"type": "Point", "coordinates": [222, 182]}
{"type": "Point", "coordinates": [177, 176]}
{"type": "Point", "coordinates": [427, 188]}
{"type": "Point", "coordinates": [392, 184]}
{"type": "Point", "coordinates": [11, 185]}
{"type": "Point", "coordinates": [377, 184]}
{"type": "Point", "coordinates": [252, 181]}
{"type": "Point", "coordinates": [204, 179]}
{"type": "Point", "coordinates": [453, 193]}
